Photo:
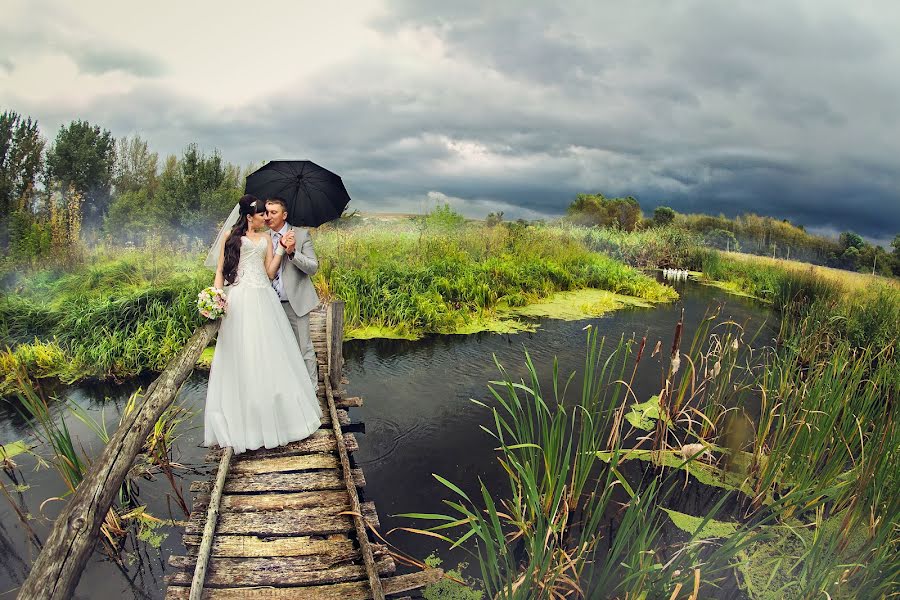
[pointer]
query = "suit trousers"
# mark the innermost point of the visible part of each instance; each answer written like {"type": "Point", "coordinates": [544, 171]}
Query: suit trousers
{"type": "Point", "coordinates": [300, 325]}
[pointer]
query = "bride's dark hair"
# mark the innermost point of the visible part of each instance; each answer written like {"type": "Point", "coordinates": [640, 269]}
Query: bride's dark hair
{"type": "Point", "coordinates": [249, 205]}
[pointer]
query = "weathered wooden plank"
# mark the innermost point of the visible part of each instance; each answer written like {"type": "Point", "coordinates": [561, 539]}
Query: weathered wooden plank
{"type": "Point", "coordinates": [280, 571]}
{"type": "Point", "coordinates": [262, 502]}
{"type": "Point", "coordinates": [308, 521]}
{"type": "Point", "coordinates": [307, 481]}
{"type": "Point", "coordinates": [357, 590]}
{"type": "Point", "coordinates": [57, 569]}
{"type": "Point", "coordinates": [321, 520]}
{"type": "Point", "coordinates": [285, 464]}
{"type": "Point", "coordinates": [322, 440]}
{"type": "Point", "coordinates": [256, 546]}
{"type": "Point", "coordinates": [349, 402]}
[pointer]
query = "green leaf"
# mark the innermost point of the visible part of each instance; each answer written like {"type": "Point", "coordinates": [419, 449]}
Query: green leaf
{"type": "Point", "coordinates": [450, 485]}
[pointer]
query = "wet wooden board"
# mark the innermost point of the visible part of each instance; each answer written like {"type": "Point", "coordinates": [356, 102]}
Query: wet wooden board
{"type": "Point", "coordinates": [283, 482]}
{"type": "Point", "coordinates": [257, 546]}
{"type": "Point", "coordinates": [285, 464]}
{"type": "Point", "coordinates": [321, 520]}
{"type": "Point", "coordinates": [264, 502]}
{"type": "Point", "coordinates": [280, 571]}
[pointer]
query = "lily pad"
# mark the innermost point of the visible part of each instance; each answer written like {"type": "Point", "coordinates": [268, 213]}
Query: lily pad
{"type": "Point", "coordinates": [644, 414]}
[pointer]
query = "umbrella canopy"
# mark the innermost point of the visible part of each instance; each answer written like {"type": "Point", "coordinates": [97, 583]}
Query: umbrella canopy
{"type": "Point", "coordinates": [314, 195]}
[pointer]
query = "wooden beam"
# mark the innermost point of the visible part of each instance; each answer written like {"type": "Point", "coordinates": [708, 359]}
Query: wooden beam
{"type": "Point", "coordinates": [334, 329]}
{"type": "Point", "coordinates": [55, 573]}
{"type": "Point", "coordinates": [212, 515]}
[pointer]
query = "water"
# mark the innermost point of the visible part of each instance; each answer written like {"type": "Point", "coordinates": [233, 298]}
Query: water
{"type": "Point", "coordinates": [417, 419]}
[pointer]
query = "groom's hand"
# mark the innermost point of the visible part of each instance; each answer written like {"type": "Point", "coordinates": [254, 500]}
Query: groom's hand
{"type": "Point", "coordinates": [290, 242]}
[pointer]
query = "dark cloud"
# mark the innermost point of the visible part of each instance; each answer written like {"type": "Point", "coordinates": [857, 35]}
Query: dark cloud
{"type": "Point", "coordinates": [98, 59]}
{"type": "Point", "coordinates": [786, 109]}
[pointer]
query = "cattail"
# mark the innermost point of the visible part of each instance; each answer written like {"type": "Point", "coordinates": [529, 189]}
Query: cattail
{"type": "Point", "coordinates": [676, 362]}
{"type": "Point", "coordinates": [641, 349]}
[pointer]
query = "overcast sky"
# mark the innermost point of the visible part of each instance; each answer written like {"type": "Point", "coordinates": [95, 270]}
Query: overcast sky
{"type": "Point", "coordinates": [787, 108]}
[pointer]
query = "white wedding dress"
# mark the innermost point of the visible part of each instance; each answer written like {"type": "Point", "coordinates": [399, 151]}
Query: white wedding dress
{"type": "Point", "coordinates": [259, 390]}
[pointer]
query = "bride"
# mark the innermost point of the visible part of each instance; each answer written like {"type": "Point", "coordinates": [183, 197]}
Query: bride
{"type": "Point", "coordinates": [259, 390]}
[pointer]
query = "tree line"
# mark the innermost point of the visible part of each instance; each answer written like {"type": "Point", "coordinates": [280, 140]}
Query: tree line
{"type": "Point", "coordinates": [750, 233]}
{"type": "Point", "coordinates": [86, 184]}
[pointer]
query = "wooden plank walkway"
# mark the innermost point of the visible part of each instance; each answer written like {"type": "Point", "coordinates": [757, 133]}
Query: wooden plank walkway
{"type": "Point", "coordinates": [288, 526]}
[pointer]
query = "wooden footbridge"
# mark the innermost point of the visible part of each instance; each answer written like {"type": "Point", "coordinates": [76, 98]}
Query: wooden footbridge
{"type": "Point", "coordinates": [284, 523]}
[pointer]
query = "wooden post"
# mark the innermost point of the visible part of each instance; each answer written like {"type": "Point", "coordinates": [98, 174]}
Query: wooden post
{"type": "Point", "coordinates": [71, 542]}
{"type": "Point", "coordinates": [212, 516]}
{"type": "Point", "coordinates": [334, 332]}
{"type": "Point", "coordinates": [362, 536]}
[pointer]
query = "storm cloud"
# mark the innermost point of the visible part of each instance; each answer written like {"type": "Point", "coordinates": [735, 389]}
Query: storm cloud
{"type": "Point", "coordinates": [785, 108]}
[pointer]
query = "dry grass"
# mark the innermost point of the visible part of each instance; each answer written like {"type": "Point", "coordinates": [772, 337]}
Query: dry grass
{"type": "Point", "coordinates": [847, 281]}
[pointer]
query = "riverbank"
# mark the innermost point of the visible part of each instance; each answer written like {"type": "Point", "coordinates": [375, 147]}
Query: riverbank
{"type": "Point", "coordinates": [126, 311]}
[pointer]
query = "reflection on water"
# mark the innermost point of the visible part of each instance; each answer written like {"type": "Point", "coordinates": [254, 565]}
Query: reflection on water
{"type": "Point", "coordinates": [418, 418]}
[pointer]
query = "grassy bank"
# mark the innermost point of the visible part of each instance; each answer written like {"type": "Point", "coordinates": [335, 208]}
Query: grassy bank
{"type": "Point", "coordinates": [863, 309]}
{"type": "Point", "coordinates": [123, 311]}
{"type": "Point", "coordinates": [409, 279]}
{"type": "Point", "coordinates": [812, 506]}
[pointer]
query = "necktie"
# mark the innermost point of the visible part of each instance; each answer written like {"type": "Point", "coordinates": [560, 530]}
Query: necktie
{"type": "Point", "coordinates": [277, 280]}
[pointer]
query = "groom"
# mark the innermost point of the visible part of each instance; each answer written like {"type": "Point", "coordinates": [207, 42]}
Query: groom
{"type": "Point", "coordinates": [293, 282]}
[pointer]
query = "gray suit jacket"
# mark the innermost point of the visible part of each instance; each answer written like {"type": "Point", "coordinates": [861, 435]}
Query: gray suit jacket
{"type": "Point", "coordinates": [296, 276]}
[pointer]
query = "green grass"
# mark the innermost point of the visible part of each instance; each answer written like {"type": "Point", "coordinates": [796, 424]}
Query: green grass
{"type": "Point", "coordinates": [127, 311]}
{"type": "Point", "coordinates": [418, 279]}
{"type": "Point", "coordinates": [814, 482]}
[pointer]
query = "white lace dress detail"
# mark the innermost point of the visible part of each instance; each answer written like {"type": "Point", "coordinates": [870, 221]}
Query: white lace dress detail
{"type": "Point", "coordinates": [251, 270]}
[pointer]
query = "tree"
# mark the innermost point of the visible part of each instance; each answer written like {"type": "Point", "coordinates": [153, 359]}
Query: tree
{"type": "Point", "coordinates": [21, 159]}
{"type": "Point", "coordinates": [663, 215]}
{"type": "Point", "coordinates": [194, 193]}
{"type": "Point", "coordinates": [83, 157]}
{"type": "Point", "coordinates": [494, 218]}
{"type": "Point", "coordinates": [596, 209]}
{"type": "Point", "coordinates": [722, 239]}
{"type": "Point", "coordinates": [849, 239]}
{"type": "Point", "coordinates": [896, 255]}
{"type": "Point", "coordinates": [135, 167]}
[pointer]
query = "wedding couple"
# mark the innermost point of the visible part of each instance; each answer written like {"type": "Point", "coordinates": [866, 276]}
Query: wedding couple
{"type": "Point", "coordinates": [263, 379]}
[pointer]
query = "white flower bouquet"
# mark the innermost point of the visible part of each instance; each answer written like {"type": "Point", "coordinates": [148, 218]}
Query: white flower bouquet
{"type": "Point", "coordinates": [212, 303]}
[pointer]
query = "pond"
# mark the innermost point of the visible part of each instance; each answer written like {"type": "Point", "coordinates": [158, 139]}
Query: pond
{"type": "Point", "coordinates": [417, 420]}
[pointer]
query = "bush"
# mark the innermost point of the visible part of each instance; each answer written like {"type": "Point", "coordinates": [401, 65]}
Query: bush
{"type": "Point", "coordinates": [722, 239]}
{"type": "Point", "coordinates": [444, 217]}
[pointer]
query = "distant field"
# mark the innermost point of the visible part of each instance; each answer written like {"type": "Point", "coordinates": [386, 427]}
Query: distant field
{"type": "Point", "coordinates": [848, 280]}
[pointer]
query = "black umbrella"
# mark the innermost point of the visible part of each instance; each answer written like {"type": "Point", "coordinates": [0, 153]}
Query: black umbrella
{"type": "Point", "coordinates": [314, 195]}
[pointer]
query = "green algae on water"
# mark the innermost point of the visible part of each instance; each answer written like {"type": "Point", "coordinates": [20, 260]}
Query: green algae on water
{"type": "Point", "coordinates": [695, 526]}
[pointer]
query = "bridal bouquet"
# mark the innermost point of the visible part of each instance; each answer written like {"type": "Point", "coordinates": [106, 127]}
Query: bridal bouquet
{"type": "Point", "coordinates": [211, 303]}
